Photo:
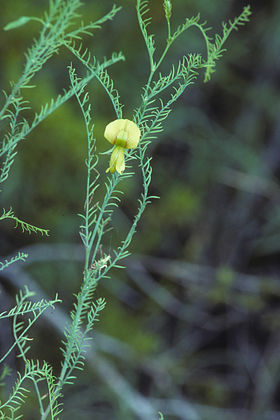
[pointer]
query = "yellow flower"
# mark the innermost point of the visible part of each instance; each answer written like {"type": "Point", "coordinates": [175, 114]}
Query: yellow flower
{"type": "Point", "coordinates": [123, 134]}
{"type": "Point", "coordinates": [117, 160]}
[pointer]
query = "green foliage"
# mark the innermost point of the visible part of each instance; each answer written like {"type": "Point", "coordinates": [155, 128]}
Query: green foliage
{"type": "Point", "coordinates": [32, 371]}
{"type": "Point", "coordinates": [25, 307]}
{"type": "Point", "coordinates": [215, 49]}
{"type": "Point", "coordinates": [20, 22]}
{"type": "Point", "coordinates": [25, 227]}
{"type": "Point", "coordinates": [21, 256]}
{"type": "Point", "coordinates": [157, 101]}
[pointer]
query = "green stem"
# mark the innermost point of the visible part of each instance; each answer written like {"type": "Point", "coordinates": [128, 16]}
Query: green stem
{"type": "Point", "coordinates": [168, 31]}
{"type": "Point", "coordinates": [81, 299]}
{"type": "Point", "coordinates": [25, 360]}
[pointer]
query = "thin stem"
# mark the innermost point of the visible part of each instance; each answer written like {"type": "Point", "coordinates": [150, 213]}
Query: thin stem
{"type": "Point", "coordinates": [25, 360]}
{"type": "Point", "coordinates": [103, 208]}
{"type": "Point", "coordinates": [168, 31]}
{"type": "Point", "coordinates": [82, 297]}
{"type": "Point", "coordinates": [87, 209]}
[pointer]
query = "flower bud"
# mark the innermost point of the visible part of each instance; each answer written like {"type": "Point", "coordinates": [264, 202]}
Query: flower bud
{"type": "Point", "coordinates": [167, 5]}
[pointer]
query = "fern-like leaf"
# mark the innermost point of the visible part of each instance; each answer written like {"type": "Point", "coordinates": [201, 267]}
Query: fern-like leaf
{"type": "Point", "coordinates": [86, 29]}
{"type": "Point", "coordinates": [216, 49]}
{"type": "Point", "coordinates": [26, 227]}
{"type": "Point", "coordinates": [34, 310]}
{"type": "Point", "coordinates": [144, 21]}
{"type": "Point", "coordinates": [20, 256]}
{"type": "Point", "coordinates": [32, 371]}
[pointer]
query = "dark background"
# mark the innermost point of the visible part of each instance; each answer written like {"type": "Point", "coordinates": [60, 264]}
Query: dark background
{"type": "Point", "coordinates": [192, 324]}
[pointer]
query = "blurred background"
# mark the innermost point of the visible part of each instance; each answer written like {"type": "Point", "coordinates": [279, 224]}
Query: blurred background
{"type": "Point", "coordinates": [191, 327]}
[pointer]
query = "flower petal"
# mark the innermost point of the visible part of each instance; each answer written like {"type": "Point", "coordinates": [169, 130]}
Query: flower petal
{"type": "Point", "coordinates": [133, 134]}
{"type": "Point", "coordinates": [112, 129]}
{"type": "Point", "coordinates": [123, 132]}
{"type": "Point", "coordinates": [117, 161]}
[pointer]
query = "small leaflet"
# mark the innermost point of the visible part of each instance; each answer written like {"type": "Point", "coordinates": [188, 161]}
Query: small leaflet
{"type": "Point", "coordinates": [16, 23]}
